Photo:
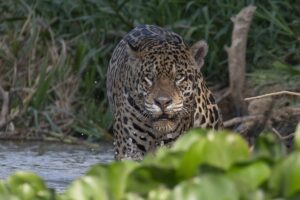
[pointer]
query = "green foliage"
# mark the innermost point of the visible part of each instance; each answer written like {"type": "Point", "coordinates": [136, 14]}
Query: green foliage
{"type": "Point", "coordinates": [25, 186]}
{"type": "Point", "coordinates": [285, 179]}
{"type": "Point", "coordinates": [297, 137]}
{"type": "Point", "coordinates": [200, 165]}
{"type": "Point", "coordinates": [61, 49]}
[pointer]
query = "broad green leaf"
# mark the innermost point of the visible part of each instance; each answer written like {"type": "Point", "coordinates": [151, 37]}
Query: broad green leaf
{"type": "Point", "coordinates": [218, 149]}
{"type": "Point", "coordinates": [4, 192]}
{"type": "Point", "coordinates": [188, 139]}
{"type": "Point", "coordinates": [27, 185]}
{"type": "Point", "coordinates": [286, 175]}
{"type": "Point", "coordinates": [249, 177]}
{"type": "Point", "coordinates": [268, 147]}
{"type": "Point", "coordinates": [223, 150]}
{"type": "Point", "coordinates": [297, 137]}
{"type": "Point", "coordinates": [161, 193]}
{"type": "Point", "coordinates": [20, 178]}
{"type": "Point", "coordinates": [163, 157]}
{"type": "Point", "coordinates": [146, 178]}
{"type": "Point", "coordinates": [88, 187]}
{"type": "Point", "coordinates": [207, 187]}
{"type": "Point", "coordinates": [191, 160]}
{"type": "Point", "coordinates": [256, 195]}
{"type": "Point", "coordinates": [133, 196]}
{"type": "Point", "coordinates": [116, 175]}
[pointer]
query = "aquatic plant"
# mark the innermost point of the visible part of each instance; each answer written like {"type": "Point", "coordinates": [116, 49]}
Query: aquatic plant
{"type": "Point", "coordinates": [200, 165]}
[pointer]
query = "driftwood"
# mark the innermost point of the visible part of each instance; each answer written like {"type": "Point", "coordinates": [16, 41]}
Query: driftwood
{"type": "Point", "coordinates": [262, 112]}
{"type": "Point", "coordinates": [237, 58]}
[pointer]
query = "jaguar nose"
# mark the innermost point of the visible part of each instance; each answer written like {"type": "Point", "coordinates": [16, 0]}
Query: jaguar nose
{"type": "Point", "coordinates": [163, 101]}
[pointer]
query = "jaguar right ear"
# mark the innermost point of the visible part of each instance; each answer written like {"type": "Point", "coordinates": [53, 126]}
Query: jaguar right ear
{"type": "Point", "coordinates": [199, 51]}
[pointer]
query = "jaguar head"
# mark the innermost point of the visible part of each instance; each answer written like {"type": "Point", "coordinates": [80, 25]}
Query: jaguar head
{"type": "Point", "coordinates": [166, 75]}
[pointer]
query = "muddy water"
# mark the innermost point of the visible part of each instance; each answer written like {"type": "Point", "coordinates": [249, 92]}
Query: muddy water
{"type": "Point", "coordinates": [57, 163]}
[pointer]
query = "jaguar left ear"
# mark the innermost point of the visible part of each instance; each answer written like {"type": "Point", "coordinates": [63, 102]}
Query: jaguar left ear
{"type": "Point", "coordinates": [132, 51]}
{"type": "Point", "coordinates": [199, 51]}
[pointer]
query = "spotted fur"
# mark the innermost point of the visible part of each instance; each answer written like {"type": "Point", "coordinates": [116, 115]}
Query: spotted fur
{"type": "Point", "coordinates": [156, 91]}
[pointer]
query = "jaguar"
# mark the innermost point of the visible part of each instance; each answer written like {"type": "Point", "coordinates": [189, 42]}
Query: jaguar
{"type": "Point", "coordinates": [156, 91]}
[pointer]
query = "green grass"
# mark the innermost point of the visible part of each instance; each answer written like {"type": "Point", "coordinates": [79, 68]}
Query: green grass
{"type": "Point", "coordinates": [61, 50]}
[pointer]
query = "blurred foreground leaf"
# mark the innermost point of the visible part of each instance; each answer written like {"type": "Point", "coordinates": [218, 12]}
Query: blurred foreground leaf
{"type": "Point", "coordinates": [217, 149]}
{"type": "Point", "coordinates": [286, 175]}
{"type": "Point", "coordinates": [206, 187]}
{"type": "Point", "coordinates": [28, 186]}
{"type": "Point", "coordinates": [297, 138]}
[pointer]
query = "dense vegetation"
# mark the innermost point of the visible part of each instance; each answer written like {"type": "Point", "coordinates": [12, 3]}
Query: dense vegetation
{"type": "Point", "coordinates": [201, 165]}
{"type": "Point", "coordinates": [54, 53]}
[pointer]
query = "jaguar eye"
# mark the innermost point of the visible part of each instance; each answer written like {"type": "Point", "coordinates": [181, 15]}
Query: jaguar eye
{"type": "Point", "coordinates": [149, 79]}
{"type": "Point", "coordinates": [179, 78]}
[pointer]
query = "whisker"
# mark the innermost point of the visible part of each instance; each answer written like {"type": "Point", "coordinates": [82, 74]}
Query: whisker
{"type": "Point", "coordinates": [146, 114]}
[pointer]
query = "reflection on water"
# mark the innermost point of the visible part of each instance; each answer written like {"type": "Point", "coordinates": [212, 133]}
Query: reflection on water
{"type": "Point", "coordinates": [57, 163]}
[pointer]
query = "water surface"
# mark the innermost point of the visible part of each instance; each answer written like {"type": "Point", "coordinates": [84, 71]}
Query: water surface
{"type": "Point", "coordinates": [58, 164]}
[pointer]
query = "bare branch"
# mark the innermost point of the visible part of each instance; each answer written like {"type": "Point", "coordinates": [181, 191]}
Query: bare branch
{"type": "Point", "coordinates": [238, 120]}
{"type": "Point", "coordinates": [280, 135]}
{"type": "Point", "coordinates": [274, 94]}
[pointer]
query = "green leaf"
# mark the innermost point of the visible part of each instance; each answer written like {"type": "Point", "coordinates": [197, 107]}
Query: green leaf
{"type": "Point", "coordinates": [269, 147]}
{"type": "Point", "coordinates": [249, 177]}
{"type": "Point", "coordinates": [4, 192]}
{"type": "Point", "coordinates": [257, 195]}
{"type": "Point", "coordinates": [286, 175]}
{"type": "Point", "coordinates": [115, 176]}
{"type": "Point", "coordinates": [164, 157]}
{"type": "Point", "coordinates": [191, 160]}
{"type": "Point", "coordinates": [169, 157]}
{"type": "Point", "coordinates": [88, 187]}
{"type": "Point", "coordinates": [217, 149]}
{"type": "Point", "coordinates": [161, 193]}
{"type": "Point", "coordinates": [297, 137]}
{"type": "Point", "coordinates": [118, 175]}
{"type": "Point", "coordinates": [187, 140]}
{"type": "Point", "coordinates": [207, 187]}
{"type": "Point", "coordinates": [133, 196]}
{"type": "Point", "coordinates": [27, 185]}
{"type": "Point", "coordinates": [146, 178]}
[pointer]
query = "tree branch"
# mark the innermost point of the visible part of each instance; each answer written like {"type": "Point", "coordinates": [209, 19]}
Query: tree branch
{"type": "Point", "coordinates": [273, 94]}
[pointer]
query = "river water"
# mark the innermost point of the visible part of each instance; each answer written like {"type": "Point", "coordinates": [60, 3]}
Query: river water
{"type": "Point", "coordinates": [58, 164]}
